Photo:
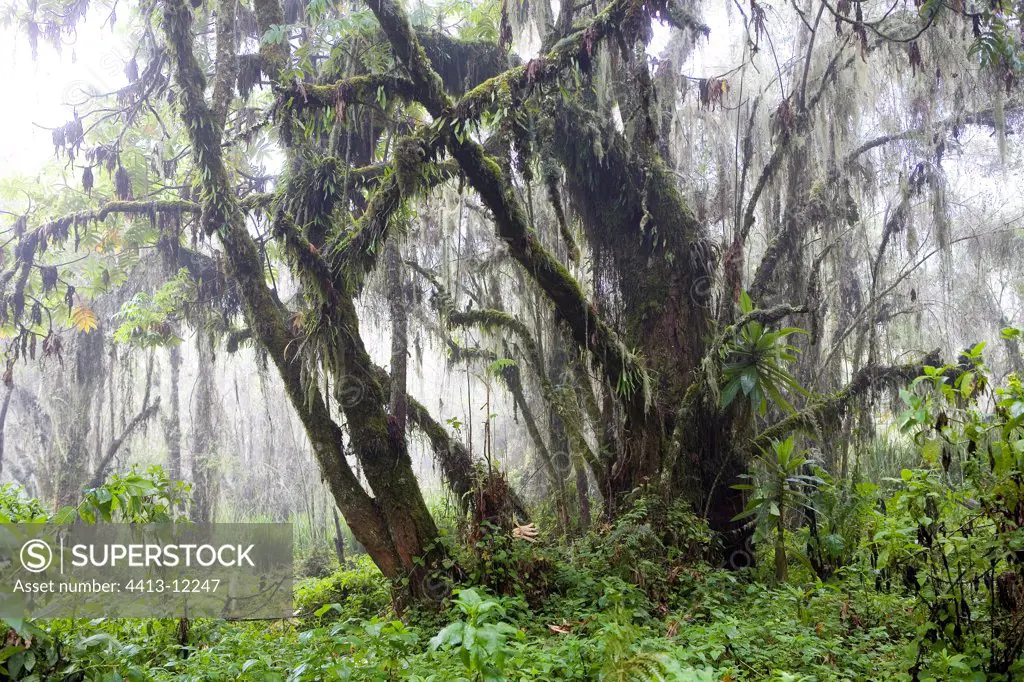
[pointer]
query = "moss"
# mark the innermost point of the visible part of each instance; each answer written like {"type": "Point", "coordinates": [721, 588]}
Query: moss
{"type": "Point", "coordinates": [352, 90]}
{"type": "Point", "coordinates": [461, 62]}
{"type": "Point", "coordinates": [576, 48]}
{"type": "Point", "coordinates": [274, 56]}
{"type": "Point", "coordinates": [408, 165]}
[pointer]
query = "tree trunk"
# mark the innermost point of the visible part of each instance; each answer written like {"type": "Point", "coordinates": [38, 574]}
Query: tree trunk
{"type": "Point", "coordinates": [3, 422]}
{"type": "Point", "coordinates": [75, 420]}
{"type": "Point", "coordinates": [582, 492]}
{"type": "Point", "coordinates": [205, 467]}
{"type": "Point", "coordinates": [172, 423]}
{"type": "Point", "coordinates": [566, 453]}
{"type": "Point", "coordinates": [339, 538]}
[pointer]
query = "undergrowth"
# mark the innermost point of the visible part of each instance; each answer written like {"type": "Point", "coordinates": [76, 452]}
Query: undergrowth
{"type": "Point", "coordinates": [716, 626]}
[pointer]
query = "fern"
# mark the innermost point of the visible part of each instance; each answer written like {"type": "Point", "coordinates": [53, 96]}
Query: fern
{"type": "Point", "coordinates": [84, 319]}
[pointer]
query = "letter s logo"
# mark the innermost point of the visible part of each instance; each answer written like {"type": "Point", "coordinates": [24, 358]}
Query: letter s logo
{"type": "Point", "coordinates": [36, 556]}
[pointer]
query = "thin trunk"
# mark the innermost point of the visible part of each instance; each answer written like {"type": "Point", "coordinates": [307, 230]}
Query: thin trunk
{"type": "Point", "coordinates": [75, 421]}
{"type": "Point", "coordinates": [205, 470]}
{"type": "Point", "coordinates": [138, 421]}
{"type": "Point", "coordinates": [172, 423]}
{"type": "Point", "coordinates": [582, 492]}
{"type": "Point", "coordinates": [567, 457]}
{"type": "Point", "coordinates": [339, 538]}
{"type": "Point", "coordinates": [398, 402]}
{"type": "Point", "coordinates": [3, 422]}
{"type": "Point", "coordinates": [781, 562]}
{"type": "Point", "coordinates": [557, 482]}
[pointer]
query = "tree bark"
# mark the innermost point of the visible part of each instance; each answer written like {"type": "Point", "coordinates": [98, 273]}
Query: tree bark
{"type": "Point", "coordinates": [75, 418]}
{"type": "Point", "coordinates": [203, 455]}
{"type": "Point", "coordinates": [3, 423]}
{"type": "Point", "coordinates": [172, 423]}
{"type": "Point", "coordinates": [339, 538]}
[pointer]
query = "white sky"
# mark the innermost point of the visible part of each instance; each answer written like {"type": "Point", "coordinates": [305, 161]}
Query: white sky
{"type": "Point", "coordinates": [47, 87]}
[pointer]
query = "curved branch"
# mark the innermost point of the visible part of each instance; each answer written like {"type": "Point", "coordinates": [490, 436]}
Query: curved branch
{"type": "Point", "coordinates": [104, 464]}
{"type": "Point", "coordinates": [222, 215]}
{"type": "Point", "coordinates": [352, 90]}
{"type": "Point", "coordinates": [765, 316]}
{"type": "Point", "coordinates": [870, 378]}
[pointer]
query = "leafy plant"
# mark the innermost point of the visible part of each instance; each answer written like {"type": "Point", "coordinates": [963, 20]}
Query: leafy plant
{"type": "Point", "coordinates": [17, 507]}
{"type": "Point", "coordinates": [624, 657]}
{"type": "Point", "coordinates": [480, 640]}
{"type": "Point", "coordinates": [754, 363]}
{"type": "Point", "coordinates": [148, 320]}
{"type": "Point", "coordinates": [357, 590]}
{"type": "Point", "coordinates": [784, 487]}
{"type": "Point", "coordinates": [952, 530]}
{"type": "Point", "coordinates": [133, 498]}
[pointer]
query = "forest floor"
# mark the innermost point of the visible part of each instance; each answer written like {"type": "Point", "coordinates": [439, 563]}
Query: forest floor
{"type": "Point", "coordinates": [694, 624]}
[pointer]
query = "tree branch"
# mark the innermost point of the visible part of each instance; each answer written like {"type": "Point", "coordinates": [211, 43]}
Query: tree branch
{"type": "Point", "coordinates": [223, 216]}
{"type": "Point", "coordinates": [621, 367]}
{"type": "Point", "coordinates": [104, 465]}
{"type": "Point", "coordinates": [226, 60]}
{"type": "Point", "coordinates": [827, 409]}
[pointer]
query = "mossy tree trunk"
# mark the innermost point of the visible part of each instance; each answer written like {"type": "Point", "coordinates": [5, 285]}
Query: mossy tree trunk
{"type": "Point", "coordinates": [172, 422]}
{"type": "Point", "coordinates": [73, 423]}
{"type": "Point", "coordinates": [393, 524]}
{"type": "Point", "coordinates": [203, 451]}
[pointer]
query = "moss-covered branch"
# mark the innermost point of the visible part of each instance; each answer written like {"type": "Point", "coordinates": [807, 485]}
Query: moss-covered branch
{"type": "Point", "coordinates": [764, 316]}
{"type": "Point", "coordinates": [683, 18]}
{"type": "Point", "coordinates": [313, 269]}
{"type": "Point", "coordinates": [273, 54]}
{"type": "Point", "coordinates": [355, 255]}
{"type": "Point", "coordinates": [226, 59]}
{"type": "Point", "coordinates": [492, 320]}
{"type": "Point", "coordinates": [462, 64]}
{"type": "Point", "coordinates": [352, 90]}
{"type": "Point", "coordinates": [622, 368]}
{"type": "Point", "coordinates": [828, 409]}
{"type": "Point", "coordinates": [110, 208]}
{"type": "Point", "coordinates": [578, 48]}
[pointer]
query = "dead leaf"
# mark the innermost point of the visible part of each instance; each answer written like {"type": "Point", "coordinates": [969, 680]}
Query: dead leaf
{"type": "Point", "coordinates": [527, 532]}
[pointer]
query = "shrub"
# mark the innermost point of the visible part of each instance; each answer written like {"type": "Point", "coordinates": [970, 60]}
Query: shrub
{"type": "Point", "coordinates": [356, 591]}
{"type": "Point", "coordinates": [320, 562]}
